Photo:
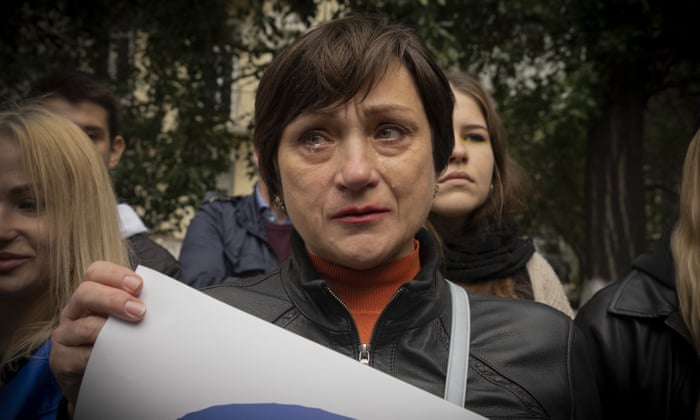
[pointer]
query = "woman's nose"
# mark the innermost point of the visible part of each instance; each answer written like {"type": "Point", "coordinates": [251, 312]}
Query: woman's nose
{"type": "Point", "coordinates": [356, 166]}
{"type": "Point", "coordinates": [459, 152]}
{"type": "Point", "coordinates": [7, 230]}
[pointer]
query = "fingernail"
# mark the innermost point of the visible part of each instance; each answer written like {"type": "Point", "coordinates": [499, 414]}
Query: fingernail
{"type": "Point", "coordinates": [132, 283]}
{"type": "Point", "coordinates": [135, 309]}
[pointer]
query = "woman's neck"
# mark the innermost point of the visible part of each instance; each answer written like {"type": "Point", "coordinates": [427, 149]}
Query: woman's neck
{"type": "Point", "coordinates": [366, 292]}
{"type": "Point", "coordinates": [448, 226]}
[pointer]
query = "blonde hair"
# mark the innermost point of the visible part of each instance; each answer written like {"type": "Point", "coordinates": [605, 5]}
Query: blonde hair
{"type": "Point", "coordinates": [72, 184]}
{"type": "Point", "coordinates": [685, 242]}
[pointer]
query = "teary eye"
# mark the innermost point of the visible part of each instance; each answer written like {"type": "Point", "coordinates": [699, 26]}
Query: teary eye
{"type": "Point", "coordinates": [314, 139]}
{"type": "Point", "coordinates": [389, 132]}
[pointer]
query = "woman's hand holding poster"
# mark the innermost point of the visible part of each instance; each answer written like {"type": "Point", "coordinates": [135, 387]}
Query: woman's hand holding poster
{"type": "Point", "coordinates": [193, 357]}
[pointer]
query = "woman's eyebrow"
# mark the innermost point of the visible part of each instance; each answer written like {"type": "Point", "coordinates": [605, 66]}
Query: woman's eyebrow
{"type": "Point", "coordinates": [376, 109]}
{"type": "Point", "coordinates": [473, 127]}
{"type": "Point", "coordinates": [324, 113]}
{"type": "Point", "coordinates": [21, 188]}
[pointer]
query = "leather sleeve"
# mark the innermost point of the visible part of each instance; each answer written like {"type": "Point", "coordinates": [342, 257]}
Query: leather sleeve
{"type": "Point", "coordinates": [146, 251]}
{"type": "Point", "coordinates": [584, 390]}
{"type": "Point", "coordinates": [610, 355]}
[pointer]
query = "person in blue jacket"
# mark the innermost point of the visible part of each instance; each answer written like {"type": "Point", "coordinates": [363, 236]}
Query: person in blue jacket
{"type": "Point", "coordinates": [235, 237]}
{"type": "Point", "coordinates": [47, 167]}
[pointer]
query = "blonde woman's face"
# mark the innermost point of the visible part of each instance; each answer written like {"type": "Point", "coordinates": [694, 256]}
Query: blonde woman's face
{"type": "Point", "coordinates": [23, 230]}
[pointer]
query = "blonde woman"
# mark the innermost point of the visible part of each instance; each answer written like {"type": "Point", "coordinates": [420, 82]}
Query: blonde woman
{"type": "Point", "coordinates": [57, 215]}
{"type": "Point", "coordinates": [644, 331]}
{"type": "Point", "coordinates": [685, 245]}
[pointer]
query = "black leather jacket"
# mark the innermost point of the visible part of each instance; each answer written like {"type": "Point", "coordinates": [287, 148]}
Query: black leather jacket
{"type": "Point", "coordinates": [645, 364]}
{"type": "Point", "coordinates": [147, 252]}
{"type": "Point", "coordinates": [526, 359]}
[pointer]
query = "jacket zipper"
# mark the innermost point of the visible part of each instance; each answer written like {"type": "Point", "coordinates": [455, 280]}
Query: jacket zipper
{"type": "Point", "coordinates": [364, 354]}
{"type": "Point", "coordinates": [364, 350]}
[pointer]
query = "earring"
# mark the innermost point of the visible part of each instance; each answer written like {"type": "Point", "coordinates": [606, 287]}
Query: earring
{"type": "Point", "coordinates": [435, 191]}
{"type": "Point", "coordinates": [280, 204]}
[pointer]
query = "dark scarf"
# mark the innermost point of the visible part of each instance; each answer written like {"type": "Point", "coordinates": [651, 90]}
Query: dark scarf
{"type": "Point", "coordinates": [495, 254]}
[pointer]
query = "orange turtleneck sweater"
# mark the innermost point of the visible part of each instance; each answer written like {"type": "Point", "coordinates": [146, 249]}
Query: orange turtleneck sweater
{"type": "Point", "coordinates": [366, 292]}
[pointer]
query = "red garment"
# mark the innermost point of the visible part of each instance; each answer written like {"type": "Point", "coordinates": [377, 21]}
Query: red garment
{"type": "Point", "coordinates": [278, 238]}
{"type": "Point", "coordinates": [366, 292]}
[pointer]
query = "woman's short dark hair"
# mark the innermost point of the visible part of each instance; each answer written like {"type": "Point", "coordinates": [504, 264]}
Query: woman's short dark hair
{"type": "Point", "coordinates": [331, 64]}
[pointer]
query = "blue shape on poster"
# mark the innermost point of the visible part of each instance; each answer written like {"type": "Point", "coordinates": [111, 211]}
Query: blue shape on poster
{"type": "Point", "coordinates": [262, 411]}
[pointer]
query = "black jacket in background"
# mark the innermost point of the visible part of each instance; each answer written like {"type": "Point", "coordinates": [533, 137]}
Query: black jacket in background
{"type": "Point", "coordinates": [145, 251]}
{"type": "Point", "coordinates": [645, 364]}
{"type": "Point", "coordinates": [527, 360]}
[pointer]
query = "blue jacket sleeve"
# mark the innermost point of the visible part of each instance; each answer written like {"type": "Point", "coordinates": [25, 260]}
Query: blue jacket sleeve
{"type": "Point", "coordinates": [202, 256]}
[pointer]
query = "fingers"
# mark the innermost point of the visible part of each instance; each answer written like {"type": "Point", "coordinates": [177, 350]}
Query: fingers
{"type": "Point", "coordinates": [113, 275]}
{"type": "Point", "coordinates": [106, 290]}
{"type": "Point", "coordinates": [69, 380]}
{"type": "Point", "coordinates": [70, 350]}
{"type": "Point", "coordinates": [109, 290]}
{"type": "Point", "coordinates": [79, 332]}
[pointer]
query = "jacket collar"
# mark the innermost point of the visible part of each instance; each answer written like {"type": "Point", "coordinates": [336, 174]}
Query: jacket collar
{"type": "Point", "coordinates": [659, 265]}
{"type": "Point", "coordinates": [418, 301]}
{"type": "Point", "coordinates": [249, 215]}
{"type": "Point", "coordinates": [130, 223]}
{"type": "Point", "coordinates": [649, 291]}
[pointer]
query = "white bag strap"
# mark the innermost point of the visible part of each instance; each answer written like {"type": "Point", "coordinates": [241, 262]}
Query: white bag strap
{"type": "Point", "coordinates": [458, 361]}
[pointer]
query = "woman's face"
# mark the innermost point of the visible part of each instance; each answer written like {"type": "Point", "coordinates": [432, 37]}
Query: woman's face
{"type": "Point", "coordinates": [23, 269]}
{"type": "Point", "coordinates": [358, 178]}
{"type": "Point", "coordinates": [466, 183]}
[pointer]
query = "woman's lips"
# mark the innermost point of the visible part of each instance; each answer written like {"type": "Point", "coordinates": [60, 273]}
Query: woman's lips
{"type": "Point", "coordinates": [9, 262]}
{"type": "Point", "coordinates": [356, 215]}
{"type": "Point", "coordinates": [456, 178]}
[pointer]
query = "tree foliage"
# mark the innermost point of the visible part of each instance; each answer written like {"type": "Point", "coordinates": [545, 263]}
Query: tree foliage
{"type": "Point", "coordinates": [173, 66]}
{"type": "Point", "coordinates": [597, 98]}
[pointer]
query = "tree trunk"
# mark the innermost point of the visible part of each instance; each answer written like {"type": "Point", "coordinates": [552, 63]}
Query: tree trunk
{"type": "Point", "coordinates": [615, 216]}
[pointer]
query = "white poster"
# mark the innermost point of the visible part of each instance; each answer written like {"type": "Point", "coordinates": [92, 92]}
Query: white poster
{"type": "Point", "coordinates": [193, 357]}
